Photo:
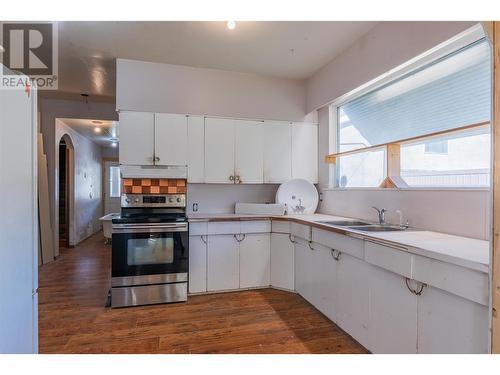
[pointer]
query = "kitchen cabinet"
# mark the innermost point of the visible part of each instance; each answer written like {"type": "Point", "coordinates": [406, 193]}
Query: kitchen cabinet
{"type": "Point", "coordinates": [323, 293]}
{"type": "Point", "coordinates": [305, 151]}
{"type": "Point", "coordinates": [171, 139]}
{"type": "Point", "coordinates": [249, 152]}
{"type": "Point", "coordinates": [277, 152]}
{"type": "Point", "coordinates": [255, 260]}
{"type": "Point", "coordinates": [196, 149]}
{"type": "Point", "coordinates": [304, 269]}
{"type": "Point", "coordinates": [282, 261]}
{"type": "Point", "coordinates": [223, 263]}
{"type": "Point", "coordinates": [393, 313]}
{"type": "Point", "coordinates": [219, 151]}
{"type": "Point", "coordinates": [353, 297]}
{"type": "Point", "coordinates": [448, 323]}
{"type": "Point", "coordinates": [136, 138]}
{"type": "Point", "coordinates": [197, 264]}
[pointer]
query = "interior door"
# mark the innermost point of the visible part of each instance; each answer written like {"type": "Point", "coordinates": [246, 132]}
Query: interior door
{"type": "Point", "coordinates": [112, 186]}
{"type": "Point", "coordinates": [249, 152]}
{"type": "Point", "coordinates": [171, 139]}
{"type": "Point", "coordinates": [219, 151]}
{"type": "Point", "coordinates": [136, 138]}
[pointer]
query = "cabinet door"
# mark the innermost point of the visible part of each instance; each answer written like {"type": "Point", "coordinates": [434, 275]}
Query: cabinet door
{"type": "Point", "coordinates": [171, 139]}
{"type": "Point", "coordinates": [249, 152]}
{"type": "Point", "coordinates": [197, 264]}
{"type": "Point", "coordinates": [305, 152]}
{"type": "Point", "coordinates": [323, 294]}
{"type": "Point", "coordinates": [255, 260]}
{"type": "Point", "coordinates": [223, 263]}
{"type": "Point", "coordinates": [196, 149]}
{"type": "Point", "coordinates": [450, 324]}
{"type": "Point", "coordinates": [277, 152]}
{"type": "Point", "coordinates": [282, 261]}
{"type": "Point", "coordinates": [353, 297]}
{"type": "Point", "coordinates": [219, 151]}
{"type": "Point", "coordinates": [136, 138]}
{"type": "Point", "coordinates": [393, 313]}
{"type": "Point", "coordinates": [303, 270]}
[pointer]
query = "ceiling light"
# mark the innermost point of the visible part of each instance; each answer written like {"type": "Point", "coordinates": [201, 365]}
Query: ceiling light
{"type": "Point", "coordinates": [114, 144]}
{"type": "Point", "coordinates": [97, 129]}
{"type": "Point", "coordinates": [231, 25]}
{"type": "Point", "coordinates": [96, 122]}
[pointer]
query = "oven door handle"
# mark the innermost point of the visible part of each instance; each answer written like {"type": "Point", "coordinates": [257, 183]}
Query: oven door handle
{"type": "Point", "coordinates": [134, 228]}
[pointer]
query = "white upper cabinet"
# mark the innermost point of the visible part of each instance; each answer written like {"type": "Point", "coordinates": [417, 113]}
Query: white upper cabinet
{"type": "Point", "coordinates": [249, 152]}
{"type": "Point", "coordinates": [137, 138]}
{"type": "Point", "coordinates": [277, 152]}
{"type": "Point", "coordinates": [305, 151]}
{"type": "Point", "coordinates": [171, 139]}
{"type": "Point", "coordinates": [196, 149]}
{"type": "Point", "coordinates": [219, 150]}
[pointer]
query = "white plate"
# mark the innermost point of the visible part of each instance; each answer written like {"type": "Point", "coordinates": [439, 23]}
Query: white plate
{"type": "Point", "coordinates": [299, 196]}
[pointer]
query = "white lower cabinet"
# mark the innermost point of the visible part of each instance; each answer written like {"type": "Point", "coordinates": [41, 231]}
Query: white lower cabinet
{"type": "Point", "coordinates": [303, 269]}
{"type": "Point", "coordinates": [353, 313]}
{"type": "Point", "coordinates": [393, 313]}
{"type": "Point", "coordinates": [197, 264]}
{"type": "Point", "coordinates": [223, 263]}
{"type": "Point", "coordinates": [255, 267]}
{"type": "Point", "coordinates": [450, 324]}
{"type": "Point", "coordinates": [282, 261]}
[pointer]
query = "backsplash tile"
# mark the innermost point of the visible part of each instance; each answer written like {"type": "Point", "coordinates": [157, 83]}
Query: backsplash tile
{"type": "Point", "coordinates": [154, 186]}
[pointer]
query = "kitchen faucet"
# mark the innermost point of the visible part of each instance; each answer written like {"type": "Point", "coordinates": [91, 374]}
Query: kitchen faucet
{"type": "Point", "coordinates": [381, 214]}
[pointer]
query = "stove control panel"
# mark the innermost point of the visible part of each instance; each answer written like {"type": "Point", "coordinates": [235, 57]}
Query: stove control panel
{"type": "Point", "coordinates": [153, 200]}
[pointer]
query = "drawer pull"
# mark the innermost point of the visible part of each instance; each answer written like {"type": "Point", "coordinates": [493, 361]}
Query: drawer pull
{"type": "Point", "coordinates": [204, 238]}
{"type": "Point", "coordinates": [310, 247]}
{"type": "Point", "coordinates": [290, 238]}
{"type": "Point", "coordinates": [239, 240]}
{"type": "Point", "coordinates": [418, 291]}
{"type": "Point", "coordinates": [335, 254]}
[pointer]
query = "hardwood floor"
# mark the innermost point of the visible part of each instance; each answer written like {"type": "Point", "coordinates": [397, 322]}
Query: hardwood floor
{"type": "Point", "coordinates": [73, 319]}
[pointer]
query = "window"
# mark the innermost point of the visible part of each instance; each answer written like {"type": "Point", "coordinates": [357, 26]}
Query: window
{"type": "Point", "coordinates": [449, 93]}
{"type": "Point", "coordinates": [114, 182]}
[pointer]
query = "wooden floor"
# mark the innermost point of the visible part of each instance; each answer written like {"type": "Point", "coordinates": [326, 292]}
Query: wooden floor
{"type": "Point", "coordinates": [73, 319]}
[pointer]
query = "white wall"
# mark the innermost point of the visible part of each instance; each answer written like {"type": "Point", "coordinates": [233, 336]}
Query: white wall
{"type": "Point", "coordinates": [221, 198]}
{"type": "Point", "coordinates": [50, 109]}
{"type": "Point", "coordinates": [87, 184]}
{"type": "Point", "coordinates": [386, 46]}
{"type": "Point", "coordinates": [154, 87]}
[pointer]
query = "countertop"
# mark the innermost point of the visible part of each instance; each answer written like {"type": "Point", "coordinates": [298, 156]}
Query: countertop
{"type": "Point", "coordinates": [462, 251]}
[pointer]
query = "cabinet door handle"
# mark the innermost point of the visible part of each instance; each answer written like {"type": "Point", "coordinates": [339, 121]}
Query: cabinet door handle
{"type": "Point", "coordinates": [231, 178]}
{"type": "Point", "coordinates": [290, 238]}
{"type": "Point", "coordinates": [204, 239]}
{"type": "Point", "coordinates": [335, 254]}
{"type": "Point", "coordinates": [310, 247]}
{"type": "Point", "coordinates": [418, 291]}
{"type": "Point", "coordinates": [237, 179]}
{"type": "Point", "coordinates": [157, 158]}
{"type": "Point", "coordinates": [236, 237]}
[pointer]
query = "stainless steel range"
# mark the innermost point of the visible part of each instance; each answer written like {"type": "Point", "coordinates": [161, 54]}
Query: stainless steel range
{"type": "Point", "coordinates": [150, 250]}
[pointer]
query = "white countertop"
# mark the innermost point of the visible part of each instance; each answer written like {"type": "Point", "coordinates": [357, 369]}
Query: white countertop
{"type": "Point", "coordinates": [463, 251]}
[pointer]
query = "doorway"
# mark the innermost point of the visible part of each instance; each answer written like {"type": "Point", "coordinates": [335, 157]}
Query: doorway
{"type": "Point", "coordinates": [112, 185]}
{"type": "Point", "coordinates": [65, 191]}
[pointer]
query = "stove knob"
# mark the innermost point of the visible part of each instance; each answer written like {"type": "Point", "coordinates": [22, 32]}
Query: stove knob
{"type": "Point", "coordinates": [170, 200]}
{"type": "Point", "coordinates": [136, 200]}
{"type": "Point", "coordinates": [127, 200]}
{"type": "Point", "coordinates": [179, 200]}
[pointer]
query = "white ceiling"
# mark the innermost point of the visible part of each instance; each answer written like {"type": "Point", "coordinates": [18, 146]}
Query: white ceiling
{"type": "Point", "coordinates": [87, 50]}
{"type": "Point", "coordinates": [105, 137]}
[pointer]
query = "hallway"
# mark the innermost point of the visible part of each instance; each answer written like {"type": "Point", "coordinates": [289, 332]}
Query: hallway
{"type": "Point", "coordinates": [73, 319]}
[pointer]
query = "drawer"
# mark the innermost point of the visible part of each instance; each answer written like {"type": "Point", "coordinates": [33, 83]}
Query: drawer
{"type": "Point", "coordinates": [224, 227]}
{"type": "Point", "coordinates": [301, 230]}
{"type": "Point", "coordinates": [389, 258]}
{"type": "Point", "coordinates": [198, 229]}
{"type": "Point", "coordinates": [256, 226]}
{"type": "Point", "coordinates": [345, 244]}
{"type": "Point", "coordinates": [279, 226]}
{"type": "Point", "coordinates": [463, 282]}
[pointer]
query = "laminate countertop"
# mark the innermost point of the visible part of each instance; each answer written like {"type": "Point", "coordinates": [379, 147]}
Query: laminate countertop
{"type": "Point", "coordinates": [462, 251]}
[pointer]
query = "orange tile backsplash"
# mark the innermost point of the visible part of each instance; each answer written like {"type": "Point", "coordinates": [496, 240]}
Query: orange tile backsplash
{"type": "Point", "coordinates": [154, 186]}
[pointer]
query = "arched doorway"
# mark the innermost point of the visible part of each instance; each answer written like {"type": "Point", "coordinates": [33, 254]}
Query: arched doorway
{"type": "Point", "coordinates": [65, 192]}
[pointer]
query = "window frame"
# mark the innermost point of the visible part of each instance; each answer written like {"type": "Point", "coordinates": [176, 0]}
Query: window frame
{"type": "Point", "coordinates": [462, 40]}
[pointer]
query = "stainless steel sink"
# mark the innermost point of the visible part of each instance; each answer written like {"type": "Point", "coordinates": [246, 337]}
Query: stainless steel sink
{"type": "Point", "coordinates": [344, 223]}
{"type": "Point", "coordinates": [377, 228]}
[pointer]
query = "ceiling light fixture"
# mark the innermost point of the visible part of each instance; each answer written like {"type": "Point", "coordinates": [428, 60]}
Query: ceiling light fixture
{"type": "Point", "coordinates": [231, 25]}
{"type": "Point", "coordinates": [114, 144]}
{"type": "Point", "coordinates": [97, 129]}
{"type": "Point", "coordinates": [96, 122]}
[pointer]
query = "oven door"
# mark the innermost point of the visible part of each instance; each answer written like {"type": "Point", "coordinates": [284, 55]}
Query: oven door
{"type": "Point", "coordinates": [149, 253]}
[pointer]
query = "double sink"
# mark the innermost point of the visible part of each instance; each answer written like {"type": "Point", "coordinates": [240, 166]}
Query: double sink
{"type": "Point", "coordinates": [364, 226]}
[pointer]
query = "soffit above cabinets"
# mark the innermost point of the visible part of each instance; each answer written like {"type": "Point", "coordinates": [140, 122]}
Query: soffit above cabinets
{"type": "Point", "coordinates": [288, 49]}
